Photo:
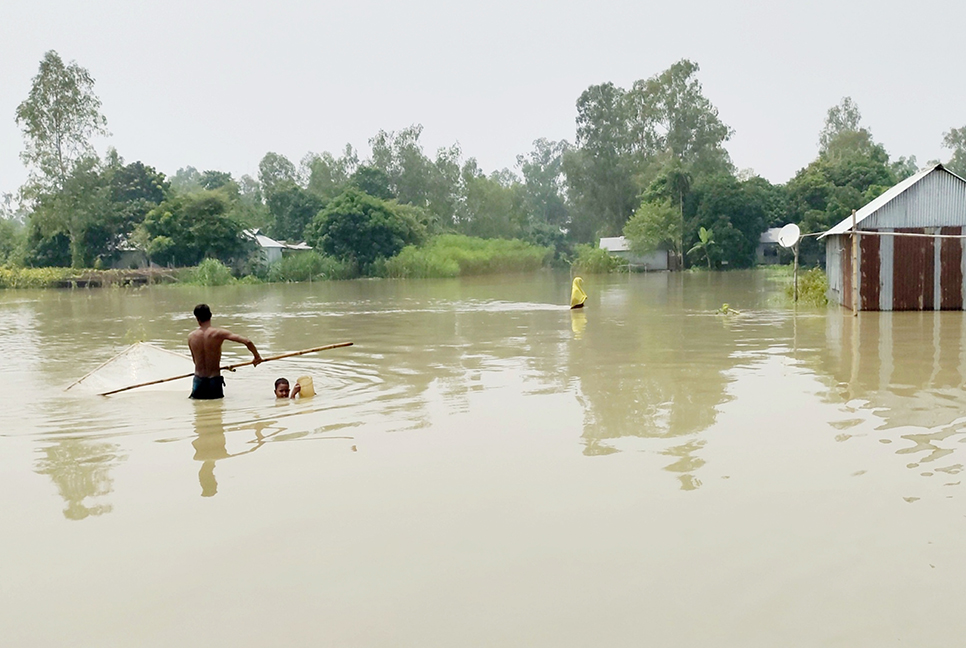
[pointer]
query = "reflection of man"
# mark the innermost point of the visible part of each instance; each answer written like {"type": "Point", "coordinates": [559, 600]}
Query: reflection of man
{"type": "Point", "coordinates": [282, 389]}
{"type": "Point", "coordinates": [205, 344]}
{"type": "Point", "coordinates": [211, 444]}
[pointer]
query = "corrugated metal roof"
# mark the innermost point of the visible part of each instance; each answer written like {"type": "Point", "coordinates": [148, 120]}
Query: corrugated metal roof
{"type": "Point", "coordinates": [894, 192]}
{"type": "Point", "coordinates": [614, 244]}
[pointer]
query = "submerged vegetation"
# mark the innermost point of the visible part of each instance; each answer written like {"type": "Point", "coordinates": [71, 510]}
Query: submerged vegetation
{"type": "Point", "coordinates": [812, 288]}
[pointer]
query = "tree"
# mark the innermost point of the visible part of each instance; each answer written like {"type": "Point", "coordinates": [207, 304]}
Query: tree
{"type": "Point", "coordinates": [274, 171]}
{"type": "Point", "coordinates": [82, 211]}
{"type": "Point", "coordinates": [544, 182]}
{"type": "Point", "coordinates": [670, 114]}
{"type": "Point", "coordinates": [360, 229]}
{"type": "Point", "coordinates": [600, 171]}
{"type": "Point", "coordinates": [492, 207]}
{"type": "Point", "coordinates": [655, 225]}
{"type": "Point", "coordinates": [188, 228]}
{"type": "Point", "coordinates": [705, 241]}
{"type": "Point", "coordinates": [327, 175]}
{"type": "Point", "coordinates": [955, 140]}
{"type": "Point", "coordinates": [215, 179]}
{"type": "Point", "coordinates": [58, 118]}
{"type": "Point", "coordinates": [373, 181]}
{"type": "Point", "coordinates": [734, 211]}
{"type": "Point", "coordinates": [292, 208]}
{"type": "Point", "coordinates": [842, 117]}
{"type": "Point", "coordinates": [186, 180]}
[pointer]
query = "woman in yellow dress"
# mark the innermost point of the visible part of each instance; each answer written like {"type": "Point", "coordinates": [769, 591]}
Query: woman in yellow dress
{"type": "Point", "coordinates": [577, 294]}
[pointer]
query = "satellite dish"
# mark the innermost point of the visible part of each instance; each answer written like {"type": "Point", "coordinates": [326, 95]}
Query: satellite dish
{"type": "Point", "coordinates": [789, 235]}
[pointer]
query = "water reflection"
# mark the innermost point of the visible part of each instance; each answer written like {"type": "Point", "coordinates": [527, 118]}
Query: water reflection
{"type": "Point", "coordinates": [905, 371]}
{"type": "Point", "coordinates": [211, 444]}
{"type": "Point", "coordinates": [81, 471]}
{"type": "Point", "coordinates": [652, 368]}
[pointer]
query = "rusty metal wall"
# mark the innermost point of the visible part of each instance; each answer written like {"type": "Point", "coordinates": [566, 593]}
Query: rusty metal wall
{"type": "Point", "coordinates": [951, 270]}
{"type": "Point", "coordinates": [869, 264]}
{"type": "Point", "coordinates": [913, 271]}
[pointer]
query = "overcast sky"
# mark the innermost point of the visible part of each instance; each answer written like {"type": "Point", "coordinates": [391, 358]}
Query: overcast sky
{"type": "Point", "coordinates": [216, 85]}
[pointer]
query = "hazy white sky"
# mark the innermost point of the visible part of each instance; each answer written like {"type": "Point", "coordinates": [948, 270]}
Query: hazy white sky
{"type": "Point", "coordinates": [216, 85]}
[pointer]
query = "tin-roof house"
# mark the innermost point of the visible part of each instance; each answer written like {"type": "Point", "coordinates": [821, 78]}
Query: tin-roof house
{"type": "Point", "coordinates": [620, 247]}
{"type": "Point", "coordinates": [271, 250]}
{"type": "Point", "coordinates": [910, 247]}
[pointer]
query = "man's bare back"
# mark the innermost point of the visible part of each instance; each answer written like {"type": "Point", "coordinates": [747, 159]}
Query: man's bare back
{"type": "Point", "coordinates": [205, 344]}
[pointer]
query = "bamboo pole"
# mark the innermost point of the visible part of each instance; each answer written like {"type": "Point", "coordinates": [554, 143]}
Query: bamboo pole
{"type": "Point", "coordinates": [796, 273]}
{"type": "Point", "coordinates": [855, 268]}
{"type": "Point", "coordinates": [232, 367]}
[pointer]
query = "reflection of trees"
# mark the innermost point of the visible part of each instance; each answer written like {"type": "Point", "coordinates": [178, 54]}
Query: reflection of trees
{"type": "Point", "coordinates": [907, 368]}
{"type": "Point", "coordinates": [646, 373]}
{"type": "Point", "coordinates": [81, 471]}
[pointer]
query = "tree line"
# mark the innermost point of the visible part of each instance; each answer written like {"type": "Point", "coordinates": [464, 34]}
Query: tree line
{"type": "Point", "coordinates": [648, 162]}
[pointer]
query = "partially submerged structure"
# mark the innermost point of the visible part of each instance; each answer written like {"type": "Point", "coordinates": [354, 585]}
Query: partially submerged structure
{"type": "Point", "coordinates": [910, 247]}
{"type": "Point", "coordinates": [619, 247]}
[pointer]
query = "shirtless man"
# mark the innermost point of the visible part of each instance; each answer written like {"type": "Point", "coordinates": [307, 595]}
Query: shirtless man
{"type": "Point", "coordinates": [205, 344]}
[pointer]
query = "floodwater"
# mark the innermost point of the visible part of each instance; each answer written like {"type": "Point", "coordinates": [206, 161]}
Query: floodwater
{"type": "Point", "coordinates": [485, 467]}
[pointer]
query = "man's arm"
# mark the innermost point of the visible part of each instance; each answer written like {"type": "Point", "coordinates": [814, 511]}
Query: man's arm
{"type": "Point", "coordinates": [248, 343]}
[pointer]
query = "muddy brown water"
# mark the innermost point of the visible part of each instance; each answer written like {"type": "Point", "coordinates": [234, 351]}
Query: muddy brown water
{"type": "Point", "coordinates": [487, 467]}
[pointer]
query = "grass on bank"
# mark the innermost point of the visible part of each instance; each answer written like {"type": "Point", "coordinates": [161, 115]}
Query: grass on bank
{"type": "Point", "coordinates": [454, 255]}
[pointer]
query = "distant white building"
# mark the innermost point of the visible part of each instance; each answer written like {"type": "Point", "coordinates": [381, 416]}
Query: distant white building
{"type": "Point", "coordinates": [270, 249]}
{"type": "Point", "coordinates": [767, 252]}
{"type": "Point", "coordinates": [618, 246]}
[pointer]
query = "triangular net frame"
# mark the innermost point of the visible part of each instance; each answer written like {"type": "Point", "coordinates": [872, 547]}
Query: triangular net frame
{"type": "Point", "coordinates": [139, 363]}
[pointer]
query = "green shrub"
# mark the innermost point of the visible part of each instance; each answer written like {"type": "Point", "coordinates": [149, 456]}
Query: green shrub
{"type": "Point", "coordinates": [812, 287]}
{"type": "Point", "coordinates": [593, 260]}
{"type": "Point", "coordinates": [210, 272]}
{"type": "Point", "coordinates": [454, 255]}
{"type": "Point", "coordinates": [308, 266]}
{"type": "Point", "coordinates": [32, 277]}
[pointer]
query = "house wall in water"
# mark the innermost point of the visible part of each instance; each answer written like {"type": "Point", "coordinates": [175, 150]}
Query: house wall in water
{"type": "Point", "coordinates": [899, 272]}
{"type": "Point", "coordinates": [904, 272]}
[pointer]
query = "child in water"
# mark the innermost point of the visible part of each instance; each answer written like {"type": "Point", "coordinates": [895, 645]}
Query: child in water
{"type": "Point", "coordinates": [303, 388]}
{"type": "Point", "coordinates": [282, 389]}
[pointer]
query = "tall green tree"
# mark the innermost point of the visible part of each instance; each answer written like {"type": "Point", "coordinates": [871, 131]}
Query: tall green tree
{"type": "Point", "coordinates": [58, 119]}
{"type": "Point", "coordinates": [955, 140]}
{"type": "Point", "coordinates": [601, 171]}
{"type": "Point", "coordinates": [275, 171]}
{"type": "Point", "coordinates": [185, 229]}
{"type": "Point", "coordinates": [544, 182]}
{"type": "Point", "coordinates": [292, 209]}
{"type": "Point", "coordinates": [360, 229]}
{"type": "Point", "coordinates": [654, 226]}
{"type": "Point", "coordinates": [670, 114]}
{"type": "Point", "coordinates": [844, 117]}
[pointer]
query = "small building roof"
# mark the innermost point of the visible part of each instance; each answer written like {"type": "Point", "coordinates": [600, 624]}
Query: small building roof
{"type": "Point", "coordinates": [268, 242]}
{"type": "Point", "coordinates": [887, 197]}
{"type": "Point", "coordinates": [614, 244]}
{"type": "Point", "coordinates": [770, 235]}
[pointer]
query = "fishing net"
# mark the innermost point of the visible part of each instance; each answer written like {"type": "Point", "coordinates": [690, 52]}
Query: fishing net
{"type": "Point", "coordinates": [139, 363]}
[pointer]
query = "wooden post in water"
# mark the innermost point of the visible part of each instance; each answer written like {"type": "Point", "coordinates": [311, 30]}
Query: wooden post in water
{"type": "Point", "coordinates": [795, 294]}
{"type": "Point", "coordinates": [855, 268]}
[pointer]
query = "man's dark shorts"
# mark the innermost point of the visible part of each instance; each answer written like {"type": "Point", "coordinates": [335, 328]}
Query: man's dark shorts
{"type": "Point", "coordinates": [208, 388]}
